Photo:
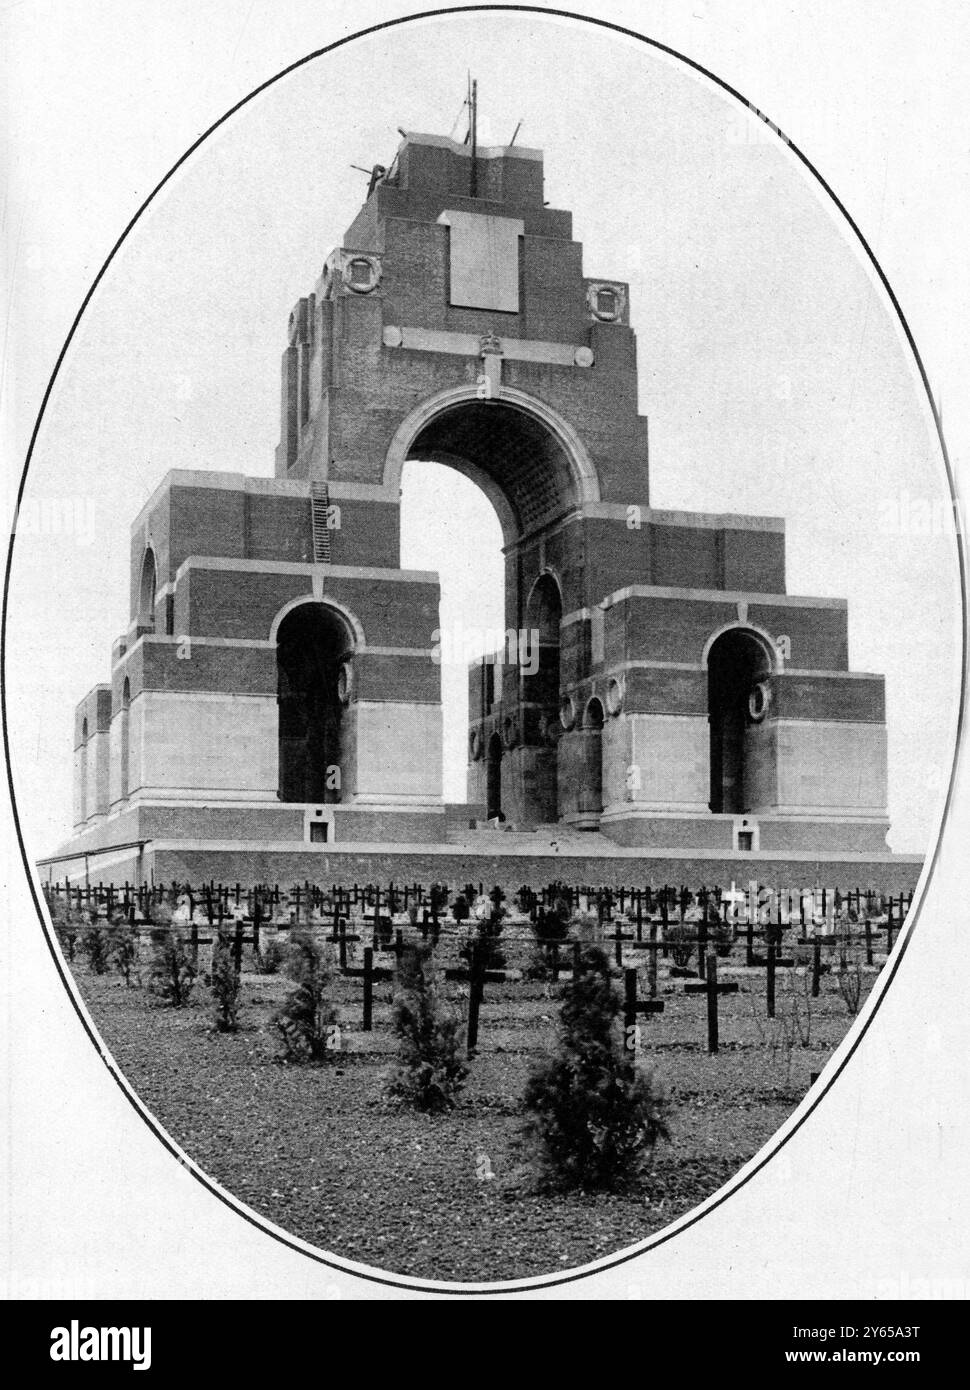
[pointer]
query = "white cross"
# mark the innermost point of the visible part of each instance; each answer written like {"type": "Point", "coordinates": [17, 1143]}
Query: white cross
{"type": "Point", "coordinates": [733, 896]}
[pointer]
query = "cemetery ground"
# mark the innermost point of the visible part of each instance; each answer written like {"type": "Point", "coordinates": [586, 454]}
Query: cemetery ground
{"type": "Point", "coordinates": [323, 1153]}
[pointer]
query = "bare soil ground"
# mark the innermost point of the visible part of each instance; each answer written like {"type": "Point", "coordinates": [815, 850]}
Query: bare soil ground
{"type": "Point", "coordinates": [320, 1151]}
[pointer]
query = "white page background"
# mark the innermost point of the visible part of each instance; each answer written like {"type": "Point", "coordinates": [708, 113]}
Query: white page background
{"type": "Point", "coordinates": [869, 1198]}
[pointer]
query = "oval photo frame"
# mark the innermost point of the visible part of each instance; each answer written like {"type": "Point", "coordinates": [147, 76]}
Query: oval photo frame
{"type": "Point", "coordinates": [856, 1032]}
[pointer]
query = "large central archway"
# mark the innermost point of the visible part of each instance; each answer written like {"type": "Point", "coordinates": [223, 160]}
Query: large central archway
{"type": "Point", "coordinates": [527, 458]}
{"type": "Point", "coordinates": [535, 470]}
{"type": "Point", "coordinates": [508, 450]}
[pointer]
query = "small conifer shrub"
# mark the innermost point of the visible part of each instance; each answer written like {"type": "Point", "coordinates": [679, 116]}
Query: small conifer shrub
{"type": "Point", "coordinates": [720, 933]}
{"type": "Point", "coordinates": [849, 980]}
{"type": "Point", "coordinates": [96, 945]}
{"type": "Point", "coordinates": [429, 1071]}
{"type": "Point", "coordinates": [680, 938]}
{"type": "Point", "coordinates": [122, 945]}
{"type": "Point", "coordinates": [307, 1020]}
{"type": "Point", "coordinates": [172, 972]}
{"type": "Point", "coordinates": [270, 958]}
{"type": "Point", "coordinates": [592, 1118]}
{"type": "Point", "coordinates": [66, 926]}
{"type": "Point", "coordinates": [551, 928]}
{"type": "Point", "coordinates": [224, 985]}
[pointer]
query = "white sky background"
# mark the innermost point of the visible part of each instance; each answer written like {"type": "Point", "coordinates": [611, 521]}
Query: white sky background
{"type": "Point", "coordinates": [775, 378]}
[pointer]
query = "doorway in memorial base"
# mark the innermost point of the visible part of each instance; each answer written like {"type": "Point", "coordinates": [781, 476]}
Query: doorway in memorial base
{"type": "Point", "coordinates": [313, 644]}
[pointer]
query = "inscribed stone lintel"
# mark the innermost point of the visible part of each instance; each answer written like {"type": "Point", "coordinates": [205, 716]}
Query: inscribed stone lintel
{"type": "Point", "coordinates": [484, 260]}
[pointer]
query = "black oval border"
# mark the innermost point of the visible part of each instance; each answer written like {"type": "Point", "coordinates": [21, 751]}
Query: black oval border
{"type": "Point", "coordinates": [929, 866]}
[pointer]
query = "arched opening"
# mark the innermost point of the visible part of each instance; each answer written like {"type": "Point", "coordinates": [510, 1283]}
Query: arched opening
{"type": "Point", "coordinates": [313, 645]}
{"type": "Point", "coordinates": [543, 617]}
{"type": "Point", "coordinates": [591, 789]}
{"type": "Point", "coordinates": [146, 590]}
{"type": "Point", "coordinates": [523, 464]}
{"type": "Point", "coordinates": [532, 468]}
{"type": "Point", "coordinates": [450, 526]}
{"type": "Point", "coordinates": [525, 456]}
{"type": "Point", "coordinates": [540, 691]}
{"type": "Point", "coordinates": [738, 667]}
{"type": "Point", "coordinates": [125, 753]}
{"type": "Point", "coordinates": [493, 775]}
{"type": "Point", "coordinates": [83, 772]}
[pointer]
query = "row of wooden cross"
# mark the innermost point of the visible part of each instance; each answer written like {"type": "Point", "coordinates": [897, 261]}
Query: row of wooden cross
{"type": "Point", "coordinates": [303, 900]}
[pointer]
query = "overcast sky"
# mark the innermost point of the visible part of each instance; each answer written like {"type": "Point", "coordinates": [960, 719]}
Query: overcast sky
{"type": "Point", "coordinates": [774, 374]}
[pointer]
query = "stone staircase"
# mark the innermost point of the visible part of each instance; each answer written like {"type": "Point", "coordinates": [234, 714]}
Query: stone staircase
{"type": "Point", "coordinates": [540, 839]}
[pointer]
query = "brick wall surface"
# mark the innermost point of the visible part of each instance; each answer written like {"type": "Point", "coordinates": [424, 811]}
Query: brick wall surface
{"type": "Point", "coordinates": [247, 670]}
{"type": "Point", "coordinates": [830, 697]}
{"type": "Point", "coordinates": [344, 395]}
{"type": "Point", "coordinates": [380, 866]}
{"type": "Point", "coordinates": [243, 603]}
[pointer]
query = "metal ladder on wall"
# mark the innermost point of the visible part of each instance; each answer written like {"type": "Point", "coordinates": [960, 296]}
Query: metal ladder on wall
{"type": "Point", "coordinates": [320, 516]}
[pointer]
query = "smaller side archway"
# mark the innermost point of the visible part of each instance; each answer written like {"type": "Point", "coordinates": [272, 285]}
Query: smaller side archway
{"type": "Point", "coordinates": [540, 693]}
{"type": "Point", "coordinates": [315, 645]}
{"type": "Point", "coordinates": [350, 620]}
{"type": "Point", "coordinates": [493, 778]}
{"type": "Point", "coordinates": [147, 587]}
{"type": "Point", "coordinates": [591, 788]}
{"type": "Point", "coordinates": [125, 758]}
{"type": "Point", "coordinates": [82, 784]}
{"type": "Point", "coordinates": [740, 664]}
{"type": "Point", "coordinates": [543, 616]}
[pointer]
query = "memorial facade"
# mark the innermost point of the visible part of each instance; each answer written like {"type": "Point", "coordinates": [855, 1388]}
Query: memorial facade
{"type": "Point", "coordinates": [279, 684]}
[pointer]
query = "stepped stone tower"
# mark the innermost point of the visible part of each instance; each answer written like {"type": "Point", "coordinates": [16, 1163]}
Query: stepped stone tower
{"type": "Point", "coordinates": [279, 682]}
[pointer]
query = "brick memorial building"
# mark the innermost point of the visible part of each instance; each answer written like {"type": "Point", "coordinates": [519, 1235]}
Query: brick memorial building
{"type": "Point", "coordinates": [274, 707]}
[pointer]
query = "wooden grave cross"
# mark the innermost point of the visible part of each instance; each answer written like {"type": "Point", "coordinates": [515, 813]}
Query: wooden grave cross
{"type": "Point", "coordinates": [632, 1008]}
{"type": "Point", "coordinates": [618, 935]}
{"type": "Point", "coordinates": [712, 989]}
{"type": "Point", "coordinates": [341, 936]}
{"type": "Point", "coordinates": [369, 973]}
{"type": "Point", "coordinates": [773, 934]}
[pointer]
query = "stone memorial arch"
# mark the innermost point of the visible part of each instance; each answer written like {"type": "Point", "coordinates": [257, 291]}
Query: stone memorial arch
{"type": "Point", "coordinates": [279, 682]}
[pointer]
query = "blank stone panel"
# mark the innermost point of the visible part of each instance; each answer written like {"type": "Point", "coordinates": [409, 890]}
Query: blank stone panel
{"type": "Point", "coordinates": [672, 755]}
{"type": "Point", "coordinates": [398, 752]}
{"type": "Point", "coordinates": [197, 745]}
{"type": "Point", "coordinates": [830, 767]}
{"type": "Point", "coordinates": [484, 260]}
